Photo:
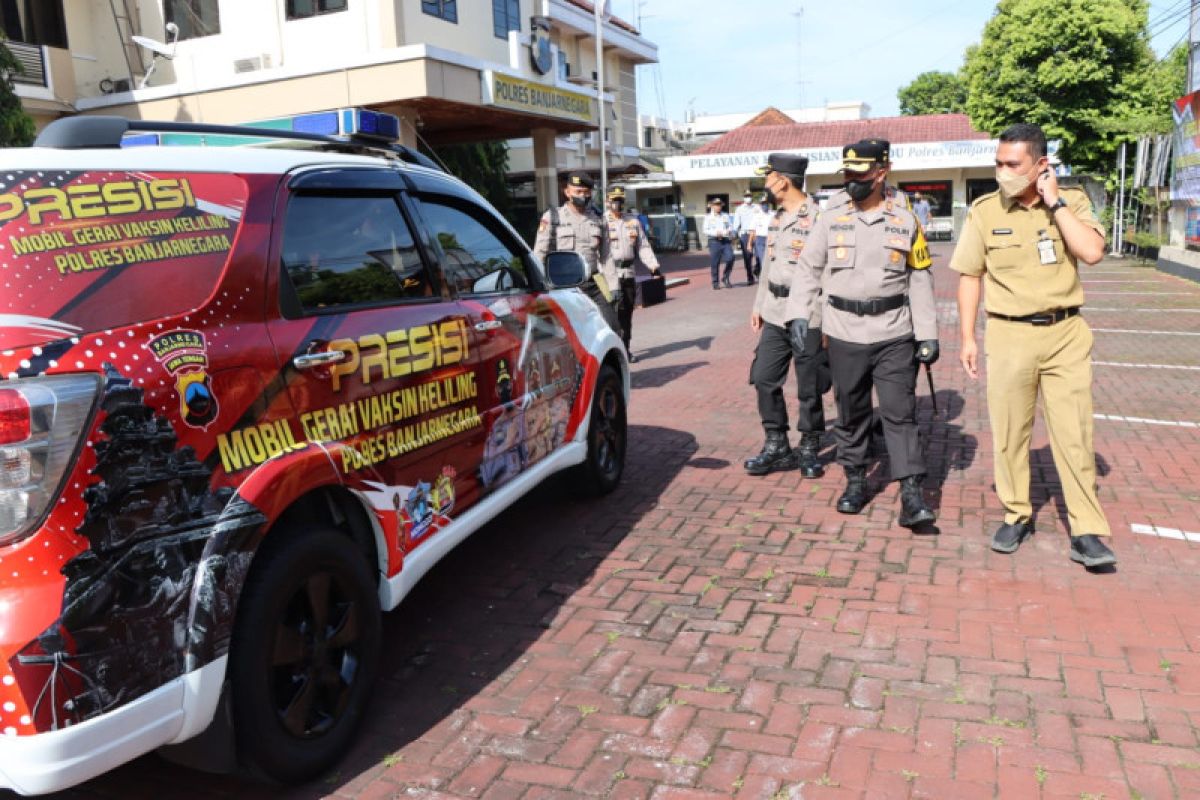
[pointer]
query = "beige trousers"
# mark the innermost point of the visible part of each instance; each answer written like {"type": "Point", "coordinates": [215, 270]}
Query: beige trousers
{"type": "Point", "coordinates": [1057, 360]}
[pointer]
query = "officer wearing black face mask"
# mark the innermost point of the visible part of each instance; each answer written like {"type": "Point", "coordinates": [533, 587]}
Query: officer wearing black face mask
{"type": "Point", "coordinates": [576, 225]}
{"type": "Point", "coordinates": [879, 315]}
{"type": "Point", "coordinates": [789, 229]}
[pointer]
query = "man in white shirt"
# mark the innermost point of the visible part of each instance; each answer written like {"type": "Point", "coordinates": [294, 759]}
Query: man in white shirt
{"type": "Point", "coordinates": [744, 219]}
{"type": "Point", "coordinates": [719, 230]}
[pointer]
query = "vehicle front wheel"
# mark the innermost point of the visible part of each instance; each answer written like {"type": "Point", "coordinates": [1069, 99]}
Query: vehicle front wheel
{"type": "Point", "coordinates": [304, 655]}
{"type": "Point", "coordinates": [607, 433]}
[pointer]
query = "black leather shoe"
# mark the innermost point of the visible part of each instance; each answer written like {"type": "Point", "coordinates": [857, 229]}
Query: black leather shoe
{"type": "Point", "coordinates": [1008, 537]}
{"type": "Point", "coordinates": [726, 282]}
{"type": "Point", "coordinates": [633, 359]}
{"type": "Point", "coordinates": [775, 456]}
{"type": "Point", "coordinates": [855, 496]}
{"type": "Point", "coordinates": [808, 455]}
{"type": "Point", "coordinates": [1091, 551]}
{"type": "Point", "coordinates": [913, 511]}
{"type": "Point", "coordinates": [716, 286]}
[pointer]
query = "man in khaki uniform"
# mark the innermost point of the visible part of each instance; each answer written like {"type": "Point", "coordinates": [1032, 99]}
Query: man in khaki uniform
{"type": "Point", "coordinates": [785, 238]}
{"type": "Point", "coordinates": [627, 244]}
{"type": "Point", "coordinates": [1024, 243]}
{"type": "Point", "coordinates": [577, 226]}
{"type": "Point", "coordinates": [880, 318]}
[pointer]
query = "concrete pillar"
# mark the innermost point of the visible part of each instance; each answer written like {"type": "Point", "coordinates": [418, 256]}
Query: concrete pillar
{"type": "Point", "coordinates": [545, 168]}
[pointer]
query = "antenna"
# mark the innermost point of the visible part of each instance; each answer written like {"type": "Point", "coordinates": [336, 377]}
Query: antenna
{"type": "Point", "coordinates": [159, 50]}
{"type": "Point", "coordinates": [799, 15]}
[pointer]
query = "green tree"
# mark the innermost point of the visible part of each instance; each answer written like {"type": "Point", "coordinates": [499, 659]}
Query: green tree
{"type": "Point", "coordinates": [933, 93]}
{"type": "Point", "coordinates": [16, 127]}
{"type": "Point", "coordinates": [481, 165]}
{"type": "Point", "coordinates": [1067, 65]}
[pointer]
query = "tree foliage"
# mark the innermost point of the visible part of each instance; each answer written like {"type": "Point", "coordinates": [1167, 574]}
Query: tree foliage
{"type": "Point", "coordinates": [16, 127]}
{"type": "Point", "coordinates": [933, 93]}
{"type": "Point", "coordinates": [482, 166]}
{"type": "Point", "coordinates": [1071, 66]}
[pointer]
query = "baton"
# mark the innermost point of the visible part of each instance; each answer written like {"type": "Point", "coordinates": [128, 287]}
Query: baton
{"type": "Point", "coordinates": [932, 392]}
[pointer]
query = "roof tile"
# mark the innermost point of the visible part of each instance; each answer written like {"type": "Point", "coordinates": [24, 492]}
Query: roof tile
{"type": "Point", "coordinates": [750, 138]}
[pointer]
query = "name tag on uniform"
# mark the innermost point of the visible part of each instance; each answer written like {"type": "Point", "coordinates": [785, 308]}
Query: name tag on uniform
{"type": "Point", "coordinates": [1002, 231]}
{"type": "Point", "coordinates": [1046, 254]}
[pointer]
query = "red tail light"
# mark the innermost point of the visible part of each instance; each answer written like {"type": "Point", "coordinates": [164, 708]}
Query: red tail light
{"type": "Point", "coordinates": [15, 423]}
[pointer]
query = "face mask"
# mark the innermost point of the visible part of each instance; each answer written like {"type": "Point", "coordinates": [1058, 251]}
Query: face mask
{"type": "Point", "coordinates": [1013, 185]}
{"type": "Point", "coordinates": [580, 201]}
{"type": "Point", "coordinates": [859, 190]}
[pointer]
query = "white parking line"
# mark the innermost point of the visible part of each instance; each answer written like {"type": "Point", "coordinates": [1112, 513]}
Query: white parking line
{"type": "Point", "coordinates": [1152, 333]}
{"type": "Point", "coordinates": [1141, 366]}
{"type": "Point", "coordinates": [1144, 421]}
{"type": "Point", "coordinates": [1088, 309]}
{"type": "Point", "coordinates": [1165, 533]}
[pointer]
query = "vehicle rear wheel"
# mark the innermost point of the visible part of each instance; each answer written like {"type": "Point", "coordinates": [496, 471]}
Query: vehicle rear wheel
{"type": "Point", "coordinates": [304, 655]}
{"type": "Point", "coordinates": [607, 433]}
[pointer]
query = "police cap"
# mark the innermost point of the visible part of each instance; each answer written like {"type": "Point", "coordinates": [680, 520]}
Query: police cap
{"type": "Point", "coordinates": [863, 154]}
{"type": "Point", "coordinates": [580, 178]}
{"type": "Point", "coordinates": [616, 193]}
{"type": "Point", "coordinates": [785, 163]}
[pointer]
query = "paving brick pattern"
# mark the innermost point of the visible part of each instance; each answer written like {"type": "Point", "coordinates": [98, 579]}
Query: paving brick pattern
{"type": "Point", "coordinates": [705, 634]}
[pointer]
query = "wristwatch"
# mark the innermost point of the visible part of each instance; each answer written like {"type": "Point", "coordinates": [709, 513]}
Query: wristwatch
{"type": "Point", "coordinates": [1059, 203]}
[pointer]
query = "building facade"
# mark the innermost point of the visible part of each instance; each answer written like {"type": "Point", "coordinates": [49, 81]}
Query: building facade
{"type": "Point", "coordinates": [452, 70]}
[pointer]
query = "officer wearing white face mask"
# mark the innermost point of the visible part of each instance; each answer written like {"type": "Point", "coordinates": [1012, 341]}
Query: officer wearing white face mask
{"type": "Point", "coordinates": [1024, 243]}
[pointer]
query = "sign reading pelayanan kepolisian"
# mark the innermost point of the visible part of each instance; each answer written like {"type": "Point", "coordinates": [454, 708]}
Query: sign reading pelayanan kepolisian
{"type": "Point", "coordinates": [827, 160]}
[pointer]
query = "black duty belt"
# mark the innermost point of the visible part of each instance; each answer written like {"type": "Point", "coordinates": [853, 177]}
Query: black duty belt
{"type": "Point", "coordinates": [778, 289]}
{"type": "Point", "coordinates": [869, 308]}
{"type": "Point", "coordinates": [1044, 318]}
{"type": "Point", "coordinates": [626, 263]}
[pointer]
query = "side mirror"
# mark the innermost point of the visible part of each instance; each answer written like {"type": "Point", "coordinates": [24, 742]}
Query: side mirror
{"type": "Point", "coordinates": [566, 268]}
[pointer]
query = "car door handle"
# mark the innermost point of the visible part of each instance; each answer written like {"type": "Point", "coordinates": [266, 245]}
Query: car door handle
{"type": "Point", "coordinates": [310, 360]}
{"type": "Point", "coordinates": [488, 325]}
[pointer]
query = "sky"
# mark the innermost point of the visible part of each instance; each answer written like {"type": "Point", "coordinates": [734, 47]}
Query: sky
{"type": "Point", "coordinates": [731, 56]}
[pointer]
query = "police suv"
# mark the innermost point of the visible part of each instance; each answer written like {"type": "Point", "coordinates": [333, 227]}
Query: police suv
{"type": "Point", "coordinates": [249, 395]}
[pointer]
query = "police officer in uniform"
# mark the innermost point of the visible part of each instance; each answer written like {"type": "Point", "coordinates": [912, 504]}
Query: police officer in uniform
{"type": "Point", "coordinates": [1024, 243]}
{"type": "Point", "coordinates": [577, 226]}
{"type": "Point", "coordinates": [718, 227]}
{"type": "Point", "coordinates": [789, 229]}
{"type": "Point", "coordinates": [627, 244]}
{"type": "Point", "coordinates": [881, 320]}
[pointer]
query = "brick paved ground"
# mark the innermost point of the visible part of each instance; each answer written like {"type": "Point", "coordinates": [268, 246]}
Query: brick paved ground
{"type": "Point", "coordinates": [705, 634]}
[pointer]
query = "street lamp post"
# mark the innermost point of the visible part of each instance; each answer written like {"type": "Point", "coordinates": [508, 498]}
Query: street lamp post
{"type": "Point", "coordinates": [598, 11]}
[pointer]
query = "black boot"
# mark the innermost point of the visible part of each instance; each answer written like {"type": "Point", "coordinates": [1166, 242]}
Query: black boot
{"type": "Point", "coordinates": [775, 456]}
{"type": "Point", "coordinates": [810, 447]}
{"type": "Point", "coordinates": [913, 511]}
{"type": "Point", "coordinates": [855, 496]}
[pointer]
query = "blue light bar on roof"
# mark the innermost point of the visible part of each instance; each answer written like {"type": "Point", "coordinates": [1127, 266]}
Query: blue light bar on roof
{"type": "Point", "coordinates": [357, 122]}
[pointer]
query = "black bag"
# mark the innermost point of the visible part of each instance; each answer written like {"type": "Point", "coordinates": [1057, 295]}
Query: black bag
{"type": "Point", "coordinates": [653, 290]}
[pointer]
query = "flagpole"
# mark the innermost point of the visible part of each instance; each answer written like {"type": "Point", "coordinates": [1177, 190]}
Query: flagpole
{"type": "Point", "coordinates": [597, 11]}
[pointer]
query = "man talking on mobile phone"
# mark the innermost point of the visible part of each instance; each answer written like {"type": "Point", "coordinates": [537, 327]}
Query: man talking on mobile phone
{"type": "Point", "coordinates": [1024, 243]}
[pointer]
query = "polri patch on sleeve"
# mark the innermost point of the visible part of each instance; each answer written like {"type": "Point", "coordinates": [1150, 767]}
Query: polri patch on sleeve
{"type": "Point", "coordinates": [918, 257]}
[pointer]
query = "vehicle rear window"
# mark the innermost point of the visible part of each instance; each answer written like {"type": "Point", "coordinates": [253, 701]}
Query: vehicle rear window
{"type": "Point", "coordinates": [97, 250]}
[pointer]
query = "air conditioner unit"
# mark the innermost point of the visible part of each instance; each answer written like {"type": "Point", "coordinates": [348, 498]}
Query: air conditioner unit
{"type": "Point", "coordinates": [252, 63]}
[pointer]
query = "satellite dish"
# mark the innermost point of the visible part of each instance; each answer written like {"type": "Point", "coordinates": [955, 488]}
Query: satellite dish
{"type": "Point", "coordinates": [159, 50]}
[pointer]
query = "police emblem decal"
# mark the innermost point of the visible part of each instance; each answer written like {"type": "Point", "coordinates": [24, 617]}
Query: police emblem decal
{"type": "Point", "coordinates": [184, 355]}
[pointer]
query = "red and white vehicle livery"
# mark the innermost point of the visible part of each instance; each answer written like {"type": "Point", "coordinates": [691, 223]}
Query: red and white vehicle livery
{"type": "Point", "coordinates": [248, 397]}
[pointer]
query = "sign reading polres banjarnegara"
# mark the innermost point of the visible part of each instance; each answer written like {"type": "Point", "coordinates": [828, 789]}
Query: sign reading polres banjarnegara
{"type": "Point", "coordinates": [1185, 150]}
{"type": "Point", "coordinates": [516, 94]}
{"type": "Point", "coordinates": [828, 160]}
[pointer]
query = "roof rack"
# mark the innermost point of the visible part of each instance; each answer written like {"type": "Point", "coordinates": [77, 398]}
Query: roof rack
{"type": "Point", "coordinates": [101, 132]}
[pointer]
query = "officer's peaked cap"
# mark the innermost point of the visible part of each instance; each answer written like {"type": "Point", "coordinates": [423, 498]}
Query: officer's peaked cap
{"type": "Point", "coordinates": [863, 154]}
{"type": "Point", "coordinates": [580, 179]}
{"type": "Point", "coordinates": [616, 193]}
{"type": "Point", "coordinates": [786, 163]}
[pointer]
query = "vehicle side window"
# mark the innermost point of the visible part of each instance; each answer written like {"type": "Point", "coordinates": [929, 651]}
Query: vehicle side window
{"type": "Point", "coordinates": [474, 256]}
{"type": "Point", "coordinates": [348, 251]}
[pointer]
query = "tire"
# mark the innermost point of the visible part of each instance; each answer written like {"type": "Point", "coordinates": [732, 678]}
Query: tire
{"type": "Point", "coordinates": [298, 697]}
{"type": "Point", "coordinates": [600, 473]}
